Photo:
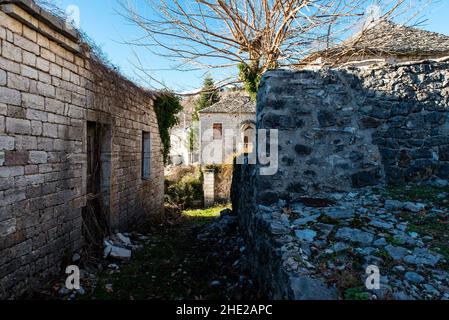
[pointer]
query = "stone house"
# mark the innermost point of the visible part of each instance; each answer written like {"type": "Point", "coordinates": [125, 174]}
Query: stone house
{"type": "Point", "coordinates": [381, 42]}
{"type": "Point", "coordinates": [180, 153]}
{"type": "Point", "coordinates": [79, 146]}
{"type": "Point", "coordinates": [231, 119]}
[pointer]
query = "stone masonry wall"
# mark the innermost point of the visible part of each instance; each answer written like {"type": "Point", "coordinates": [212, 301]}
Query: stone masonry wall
{"type": "Point", "coordinates": [345, 129]}
{"type": "Point", "coordinates": [339, 130]}
{"type": "Point", "coordinates": [50, 89]}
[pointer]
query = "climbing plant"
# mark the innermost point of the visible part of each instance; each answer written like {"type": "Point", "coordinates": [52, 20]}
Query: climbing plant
{"type": "Point", "coordinates": [250, 78]}
{"type": "Point", "coordinates": [166, 106]}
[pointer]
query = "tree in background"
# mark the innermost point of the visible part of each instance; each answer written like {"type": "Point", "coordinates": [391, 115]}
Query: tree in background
{"type": "Point", "coordinates": [209, 95]}
{"type": "Point", "coordinates": [252, 35]}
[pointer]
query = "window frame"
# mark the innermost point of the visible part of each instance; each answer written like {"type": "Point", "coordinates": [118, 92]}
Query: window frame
{"type": "Point", "coordinates": [146, 156]}
{"type": "Point", "coordinates": [220, 124]}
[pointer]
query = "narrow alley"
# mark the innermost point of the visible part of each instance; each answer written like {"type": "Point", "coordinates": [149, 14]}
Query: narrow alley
{"type": "Point", "coordinates": [195, 255]}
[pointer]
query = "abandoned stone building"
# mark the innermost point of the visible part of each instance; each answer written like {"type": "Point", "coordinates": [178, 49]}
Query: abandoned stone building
{"type": "Point", "coordinates": [381, 41]}
{"type": "Point", "coordinates": [79, 146]}
{"type": "Point", "coordinates": [232, 118]}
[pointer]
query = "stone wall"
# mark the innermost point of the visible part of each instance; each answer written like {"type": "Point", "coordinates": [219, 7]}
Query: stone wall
{"type": "Point", "coordinates": [339, 130]}
{"type": "Point", "coordinates": [353, 128]}
{"type": "Point", "coordinates": [51, 91]}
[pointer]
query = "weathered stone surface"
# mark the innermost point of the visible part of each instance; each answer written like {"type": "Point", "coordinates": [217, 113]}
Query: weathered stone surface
{"type": "Point", "coordinates": [414, 277]}
{"type": "Point", "coordinates": [120, 253]}
{"type": "Point", "coordinates": [10, 96]}
{"type": "Point", "coordinates": [393, 204]}
{"type": "Point", "coordinates": [16, 158]}
{"type": "Point", "coordinates": [423, 256]}
{"type": "Point", "coordinates": [19, 126]}
{"type": "Point", "coordinates": [6, 143]}
{"type": "Point", "coordinates": [414, 207]}
{"type": "Point", "coordinates": [306, 235]}
{"type": "Point", "coordinates": [49, 96]}
{"type": "Point", "coordinates": [303, 221]}
{"type": "Point", "coordinates": [307, 288]}
{"type": "Point", "coordinates": [2, 78]}
{"type": "Point", "coordinates": [339, 213]}
{"type": "Point", "coordinates": [365, 178]}
{"type": "Point", "coordinates": [397, 253]}
{"type": "Point", "coordinates": [38, 157]}
{"type": "Point", "coordinates": [354, 235]}
{"type": "Point", "coordinates": [381, 224]}
{"type": "Point", "coordinates": [362, 127]}
{"type": "Point", "coordinates": [303, 150]}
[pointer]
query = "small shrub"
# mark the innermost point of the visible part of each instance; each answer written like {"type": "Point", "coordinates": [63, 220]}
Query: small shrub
{"type": "Point", "coordinates": [187, 192]}
{"type": "Point", "coordinates": [356, 294]}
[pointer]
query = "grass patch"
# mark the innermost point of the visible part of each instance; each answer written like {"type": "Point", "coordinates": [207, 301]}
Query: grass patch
{"type": "Point", "coordinates": [414, 192]}
{"type": "Point", "coordinates": [393, 241]}
{"type": "Point", "coordinates": [202, 216]}
{"type": "Point", "coordinates": [172, 265]}
{"type": "Point", "coordinates": [356, 294]}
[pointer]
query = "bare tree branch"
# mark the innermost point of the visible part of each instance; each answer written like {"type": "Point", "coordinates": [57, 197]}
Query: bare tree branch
{"type": "Point", "coordinates": [260, 34]}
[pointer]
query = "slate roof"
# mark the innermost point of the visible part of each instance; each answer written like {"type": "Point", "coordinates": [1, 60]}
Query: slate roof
{"type": "Point", "coordinates": [390, 38]}
{"type": "Point", "coordinates": [232, 102]}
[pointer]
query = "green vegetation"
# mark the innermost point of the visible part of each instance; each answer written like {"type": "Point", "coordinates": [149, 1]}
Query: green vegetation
{"type": "Point", "coordinates": [209, 96]}
{"type": "Point", "coordinates": [185, 193]}
{"type": "Point", "coordinates": [356, 294]}
{"type": "Point", "coordinates": [393, 241]}
{"type": "Point", "coordinates": [427, 223]}
{"type": "Point", "coordinates": [414, 192]}
{"type": "Point", "coordinates": [172, 265]}
{"type": "Point", "coordinates": [204, 215]}
{"type": "Point", "coordinates": [166, 106]}
{"type": "Point", "coordinates": [250, 78]}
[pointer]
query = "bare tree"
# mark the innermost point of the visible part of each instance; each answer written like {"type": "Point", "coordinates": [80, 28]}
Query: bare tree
{"type": "Point", "coordinates": [255, 35]}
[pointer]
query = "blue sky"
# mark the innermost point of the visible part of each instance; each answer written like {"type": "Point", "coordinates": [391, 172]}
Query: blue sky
{"type": "Point", "coordinates": [109, 30]}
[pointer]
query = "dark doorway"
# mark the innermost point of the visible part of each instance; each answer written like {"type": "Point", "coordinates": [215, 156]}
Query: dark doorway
{"type": "Point", "coordinates": [95, 215]}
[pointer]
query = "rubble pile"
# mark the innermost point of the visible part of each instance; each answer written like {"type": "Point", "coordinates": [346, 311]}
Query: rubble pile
{"type": "Point", "coordinates": [335, 244]}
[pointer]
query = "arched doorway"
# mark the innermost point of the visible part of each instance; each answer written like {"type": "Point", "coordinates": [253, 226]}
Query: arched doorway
{"type": "Point", "coordinates": [247, 131]}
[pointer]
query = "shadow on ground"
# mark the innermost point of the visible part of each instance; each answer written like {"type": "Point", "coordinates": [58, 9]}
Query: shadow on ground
{"type": "Point", "coordinates": [174, 264]}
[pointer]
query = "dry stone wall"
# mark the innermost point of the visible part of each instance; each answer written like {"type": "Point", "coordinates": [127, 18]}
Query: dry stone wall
{"type": "Point", "coordinates": [51, 91]}
{"type": "Point", "coordinates": [345, 129]}
{"type": "Point", "coordinates": [339, 131]}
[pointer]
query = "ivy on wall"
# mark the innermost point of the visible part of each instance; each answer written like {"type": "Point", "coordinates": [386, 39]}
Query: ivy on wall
{"type": "Point", "coordinates": [250, 78]}
{"type": "Point", "coordinates": [166, 106]}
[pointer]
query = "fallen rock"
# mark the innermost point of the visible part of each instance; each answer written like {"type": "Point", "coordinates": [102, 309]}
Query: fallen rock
{"type": "Point", "coordinates": [306, 235]}
{"type": "Point", "coordinates": [381, 224]}
{"type": "Point", "coordinates": [307, 288]}
{"type": "Point", "coordinates": [354, 235]}
{"type": "Point", "coordinates": [393, 205]}
{"type": "Point", "coordinates": [380, 242]}
{"type": "Point", "coordinates": [339, 213]}
{"type": "Point", "coordinates": [120, 253]}
{"type": "Point", "coordinates": [303, 221]}
{"type": "Point", "coordinates": [423, 256]}
{"type": "Point", "coordinates": [414, 277]}
{"type": "Point", "coordinates": [397, 253]}
{"type": "Point", "coordinates": [125, 240]}
{"type": "Point", "coordinates": [414, 207]}
{"type": "Point", "coordinates": [340, 246]}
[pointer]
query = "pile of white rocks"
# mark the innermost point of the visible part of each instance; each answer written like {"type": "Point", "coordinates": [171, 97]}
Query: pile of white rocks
{"type": "Point", "coordinates": [359, 230]}
{"type": "Point", "coordinates": [119, 246]}
{"type": "Point", "coordinates": [118, 249]}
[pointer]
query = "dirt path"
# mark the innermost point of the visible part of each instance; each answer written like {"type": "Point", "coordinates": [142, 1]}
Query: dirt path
{"type": "Point", "coordinates": [174, 264]}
